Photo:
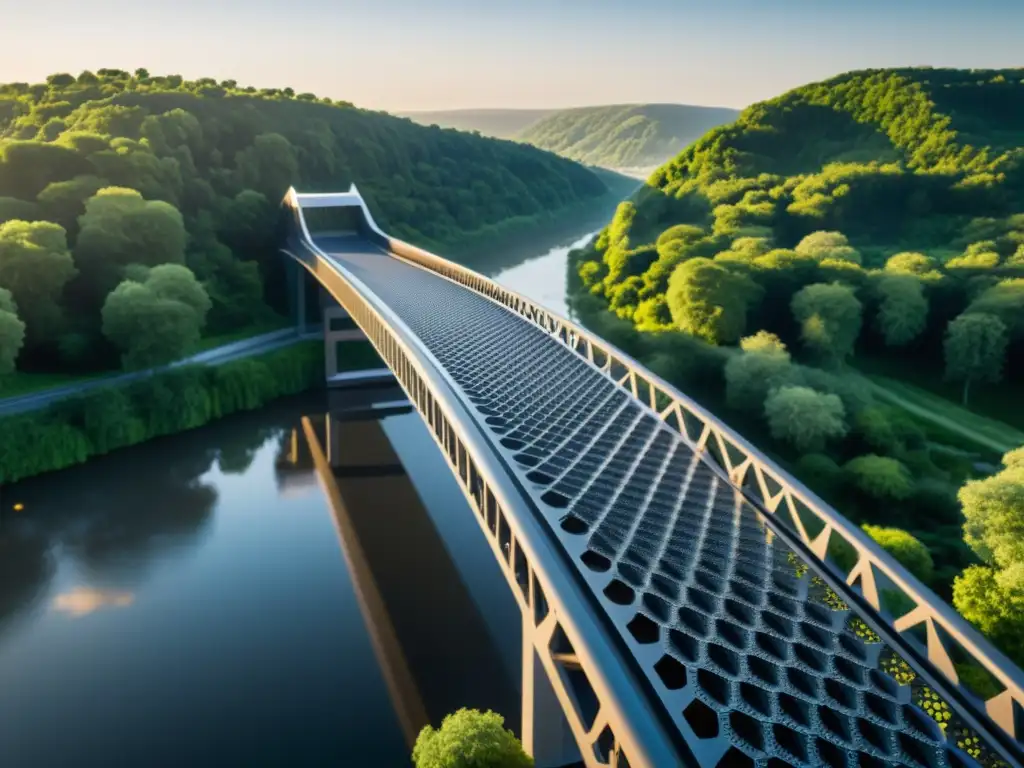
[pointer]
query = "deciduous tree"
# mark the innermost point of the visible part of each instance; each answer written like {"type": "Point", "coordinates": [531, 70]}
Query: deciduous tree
{"type": "Point", "coordinates": [830, 319]}
{"type": "Point", "coordinates": [804, 417]}
{"type": "Point", "coordinates": [708, 301]}
{"type": "Point", "coordinates": [35, 266]}
{"type": "Point", "coordinates": [975, 349]}
{"type": "Point", "coordinates": [902, 310]}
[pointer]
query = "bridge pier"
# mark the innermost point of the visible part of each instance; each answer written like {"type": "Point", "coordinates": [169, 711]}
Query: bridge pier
{"type": "Point", "coordinates": [547, 736]}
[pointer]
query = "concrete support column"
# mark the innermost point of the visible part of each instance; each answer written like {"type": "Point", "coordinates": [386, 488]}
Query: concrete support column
{"type": "Point", "coordinates": [546, 733]}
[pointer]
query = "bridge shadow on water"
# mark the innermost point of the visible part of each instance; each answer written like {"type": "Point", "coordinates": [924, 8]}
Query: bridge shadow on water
{"type": "Point", "coordinates": [430, 638]}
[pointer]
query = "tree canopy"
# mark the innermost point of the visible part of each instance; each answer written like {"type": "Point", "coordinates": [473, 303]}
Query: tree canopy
{"type": "Point", "coordinates": [469, 738]}
{"type": "Point", "coordinates": [105, 171]}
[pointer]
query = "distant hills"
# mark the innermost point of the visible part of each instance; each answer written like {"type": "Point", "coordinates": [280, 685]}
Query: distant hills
{"type": "Point", "coordinates": [623, 136]}
{"type": "Point", "coordinates": [497, 123]}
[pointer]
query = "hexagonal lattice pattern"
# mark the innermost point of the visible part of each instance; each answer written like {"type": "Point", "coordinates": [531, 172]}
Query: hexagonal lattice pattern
{"type": "Point", "coordinates": [754, 659]}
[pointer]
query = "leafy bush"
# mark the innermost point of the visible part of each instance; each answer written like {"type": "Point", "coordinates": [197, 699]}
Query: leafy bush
{"type": "Point", "coordinates": [905, 549]}
{"type": "Point", "coordinates": [70, 432]}
{"type": "Point", "coordinates": [469, 738]}
{"type": "Point", "coordinates": [805, 418]}
{"type": "Point", "coordinates": [880, 477]}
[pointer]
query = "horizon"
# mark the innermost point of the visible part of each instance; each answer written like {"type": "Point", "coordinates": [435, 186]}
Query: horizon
{"type": "Point", "coordinates": [397, 56]}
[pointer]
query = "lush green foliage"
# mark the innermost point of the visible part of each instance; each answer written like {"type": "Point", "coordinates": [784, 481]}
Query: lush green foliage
{"type": "Point", "coordinates": [975, 349]}
{"type": "Point", "coordinates": [158, 319]}
{"type": "Point", "coordinates": [804, 417]}
{"type": "Point", "coordinates": [469, 738]}
{"type": "Point", "coordinates": [108, 171]}
{"type": "Point", "coordinates": [905, 548]}
{"type": "Point", "coordinates": [72, 431]}
{"type": "Point", "coordinates": [624, 136]}
{"type": "Point", "coordinates": [992, 595]}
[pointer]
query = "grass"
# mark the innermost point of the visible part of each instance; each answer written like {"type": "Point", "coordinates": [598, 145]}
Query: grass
{"type": "Point", "coordinates": [928, 406]}
{"type": "Point", "coordinates": [1001, 403]}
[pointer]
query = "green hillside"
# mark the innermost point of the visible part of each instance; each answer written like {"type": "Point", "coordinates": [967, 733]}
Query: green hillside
{"type": "Point", "coordinates": [137, 212]}
{"type": "Point", "coordinates": [872, 221]}
{"type": "Point", "coordinates": [624, 136]}
{"type": "Point", "coordinates": [498, 123]}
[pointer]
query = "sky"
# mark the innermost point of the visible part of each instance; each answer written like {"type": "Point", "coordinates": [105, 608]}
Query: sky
{"type": "Point", "coordinates": [399, 55]}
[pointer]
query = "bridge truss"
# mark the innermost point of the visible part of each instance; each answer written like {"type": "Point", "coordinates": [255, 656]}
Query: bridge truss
{"type": "Point", "coordinates": [689, 601]}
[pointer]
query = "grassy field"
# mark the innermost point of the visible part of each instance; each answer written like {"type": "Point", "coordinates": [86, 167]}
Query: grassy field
{"type": "Point", "coordinates": [928, 406]}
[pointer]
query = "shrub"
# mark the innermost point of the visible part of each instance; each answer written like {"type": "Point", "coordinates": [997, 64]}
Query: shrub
{"type": "Point", "coordinates": [469, 739]}
{"type": "Point", "coordinates": [803, 417]}
{"type": "Point", "coordinates": [71, 431]}
{"type": "Point", "coordinates": [906, 549]}
{"type": "Point", "coordinates": [880, 477]}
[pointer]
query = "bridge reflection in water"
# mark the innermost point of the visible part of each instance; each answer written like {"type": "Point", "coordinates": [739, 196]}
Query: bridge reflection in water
{"type": "Point", "coordinates": [430, 640]}
{"type": "Point", "coordinates": [687, 600]}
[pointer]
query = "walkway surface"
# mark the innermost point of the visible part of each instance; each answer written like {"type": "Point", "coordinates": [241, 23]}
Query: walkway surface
{"type": "Point", "coordinates": [752, 651]}
{"type": "Point", "coordinates": [255, 345]}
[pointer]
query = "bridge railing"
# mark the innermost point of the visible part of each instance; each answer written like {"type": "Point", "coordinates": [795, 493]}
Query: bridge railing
{"type": "Point", "coordinates": [914, 619]}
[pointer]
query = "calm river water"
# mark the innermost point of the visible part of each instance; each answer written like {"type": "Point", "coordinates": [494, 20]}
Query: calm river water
{"type": "Point", "coordinates": [209, 599]}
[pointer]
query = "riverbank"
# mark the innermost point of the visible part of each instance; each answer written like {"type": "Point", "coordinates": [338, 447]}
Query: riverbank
{"type": "Point", "coordinates": [72, 431]}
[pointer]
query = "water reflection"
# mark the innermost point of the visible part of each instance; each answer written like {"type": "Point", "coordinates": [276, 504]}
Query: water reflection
{"type": "Point", "coordinates": [81, 601]}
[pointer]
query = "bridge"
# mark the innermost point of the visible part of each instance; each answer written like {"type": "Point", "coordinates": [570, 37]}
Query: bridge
{"type": "Point", "coordinates": [684, 600]}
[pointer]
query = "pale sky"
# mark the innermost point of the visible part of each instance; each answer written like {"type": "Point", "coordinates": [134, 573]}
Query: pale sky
{"type": "Point", "coordinates": [445, 54]}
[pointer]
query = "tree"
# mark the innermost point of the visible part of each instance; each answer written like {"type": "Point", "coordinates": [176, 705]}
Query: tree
{"type": "Point", "coordinates": [906, 549]}
{"type": "Point", "coordinates": [12, 332]}
{"type": "Point", "coordinates": [804, 417]}
{"type": "Point", "coordinates": [763, 365]}
{"type": "Point", "coordinates": [157, 321]}
{"type": "Point", "coordinates": [173, 281]}
{"type": "Point", "coordinates": [708, 301]}
{"type": "Point", "coordinates": [64, 201]}
{"type": "Point", "coordinates": [269, 166]}
{"type": "Point", "coordinates": [903, 309]}
{"type": "Point", "coordinates": [975, 348]}
{"type": "Point", "coordinates": [880, 477]}
{"type": "Point", "coordinates": [119, 228]}
{"type": "Point", "coordinates": [992, 595]}
{"type": "Point", "coordinates": [35, 266]}
{"type": "Point", "coordinates": [469, 739]}
{"type": "Point", "coordinates": [1004, 300]}
{"type": "Point", "coordinates": [830, 318]}
{"type": "Point", "coordinates": [828, 246]}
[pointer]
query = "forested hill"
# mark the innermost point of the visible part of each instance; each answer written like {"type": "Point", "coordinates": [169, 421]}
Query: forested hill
{"type": "Point", "coordinates": [498, 123]}
{"type": "Point", "coordinates": [624, 136]}
{"type": "Point", "coordinates": [874, 221]}
{"type": "Point", "coordinates": [104, 175]}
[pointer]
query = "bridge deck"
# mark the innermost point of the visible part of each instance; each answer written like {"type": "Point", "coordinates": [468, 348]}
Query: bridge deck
{"type": "Point", "coordinates": [770, 659]}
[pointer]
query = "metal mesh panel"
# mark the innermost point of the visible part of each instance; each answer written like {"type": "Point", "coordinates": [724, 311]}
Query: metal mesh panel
{"type": "Point", "coordinates": [751, 655]}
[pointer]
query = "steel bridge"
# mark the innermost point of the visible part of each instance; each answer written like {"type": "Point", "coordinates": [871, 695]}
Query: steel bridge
{"type": "Point", "coordinates": [684, 600]}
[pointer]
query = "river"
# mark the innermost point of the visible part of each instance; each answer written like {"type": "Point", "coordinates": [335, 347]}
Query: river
{"type": "Point", "coordinates": [212, 599]}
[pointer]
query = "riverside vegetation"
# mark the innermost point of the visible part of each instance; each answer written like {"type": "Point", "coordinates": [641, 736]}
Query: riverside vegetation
{"type": "Point", "coordinates": [108, 418]}
{"type": "Point", "coordinates": [872, 217]}
{"type": "Point", "coordinates": [137, 212]}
